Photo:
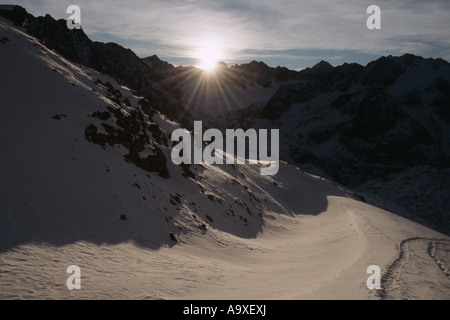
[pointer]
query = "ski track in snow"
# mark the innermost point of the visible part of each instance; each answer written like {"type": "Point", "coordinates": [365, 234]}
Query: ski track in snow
{"type": "Point", "coordinates": [417, 254]}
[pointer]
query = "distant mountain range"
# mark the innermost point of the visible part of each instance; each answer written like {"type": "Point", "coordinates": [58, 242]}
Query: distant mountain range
{"type": "Point", "coordinates": [381, 129]}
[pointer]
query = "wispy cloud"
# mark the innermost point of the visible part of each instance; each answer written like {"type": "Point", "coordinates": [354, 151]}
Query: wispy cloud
{"type": "Point", "coordinates": [283, 32]}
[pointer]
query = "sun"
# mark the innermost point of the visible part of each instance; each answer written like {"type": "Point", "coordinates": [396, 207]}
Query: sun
{"type": "Point", "coordinates": [208, 53]}
{"type": "Point", "coordinates": [208, 63]}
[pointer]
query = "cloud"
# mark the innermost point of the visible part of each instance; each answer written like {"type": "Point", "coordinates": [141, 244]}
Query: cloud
{"type": "Point", "coordinates": [282, 28]}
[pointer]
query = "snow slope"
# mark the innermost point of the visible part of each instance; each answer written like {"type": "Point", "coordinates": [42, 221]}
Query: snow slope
{"type": "Point", "coordinates": [226, 232]}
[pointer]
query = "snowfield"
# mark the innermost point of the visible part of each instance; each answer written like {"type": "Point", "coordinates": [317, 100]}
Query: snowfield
{"type": "Point", "coordinates": [226, 233]}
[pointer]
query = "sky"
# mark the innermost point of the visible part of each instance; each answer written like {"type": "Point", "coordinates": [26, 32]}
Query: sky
{"type": "Point", "coordinates": [292, 33]}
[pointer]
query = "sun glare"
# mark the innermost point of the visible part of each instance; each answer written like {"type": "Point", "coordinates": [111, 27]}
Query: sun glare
{"type": "Point", "coordinates": [208, 53]}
